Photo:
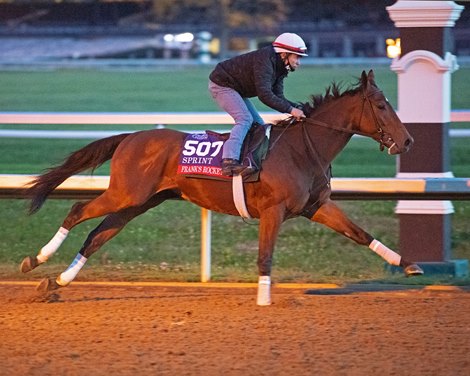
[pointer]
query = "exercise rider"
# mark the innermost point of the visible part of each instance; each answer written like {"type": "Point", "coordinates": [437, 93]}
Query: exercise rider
{"type": "Point", "coordinates": [259, 74]}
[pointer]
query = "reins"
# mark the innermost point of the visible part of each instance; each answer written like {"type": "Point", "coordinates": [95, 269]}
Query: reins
{"type": "Point", "coordinates": [310, 146]}
{"type": "Point", "coordinates": [346, 130]}
{"type": "Point", "coordinates": [312, 150]}
{"type": "Point", "coordinates": [365, 97]}
{"type": "Point", "coordinates": [291, 121]}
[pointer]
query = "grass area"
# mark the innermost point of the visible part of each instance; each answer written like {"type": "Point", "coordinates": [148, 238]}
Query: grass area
{"type": "Point", "coordinates": [106, 91]}
{"type": "Point", "coordinates": [173, 90]}
{"type": "Point", "coordinates": [163, 244]}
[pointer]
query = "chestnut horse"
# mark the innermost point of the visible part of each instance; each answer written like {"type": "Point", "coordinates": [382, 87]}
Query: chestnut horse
{"type": "Point", "coordinates": [294, 180]}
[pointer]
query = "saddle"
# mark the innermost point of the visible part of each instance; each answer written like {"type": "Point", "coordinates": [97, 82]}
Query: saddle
{"type": "Point", "coordinates": [201, 155]}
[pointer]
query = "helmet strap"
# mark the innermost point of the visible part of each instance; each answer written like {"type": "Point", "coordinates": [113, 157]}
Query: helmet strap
{"type": "Point", "coordinates": [285, 60]}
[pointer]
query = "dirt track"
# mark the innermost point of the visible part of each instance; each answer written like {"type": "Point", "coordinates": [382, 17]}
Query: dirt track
{"type": "Point", "coordinates": [102, 330]}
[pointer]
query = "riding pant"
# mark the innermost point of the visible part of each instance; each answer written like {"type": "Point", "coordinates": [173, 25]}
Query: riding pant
{"type": "Point", "coordinates": [243, 113]}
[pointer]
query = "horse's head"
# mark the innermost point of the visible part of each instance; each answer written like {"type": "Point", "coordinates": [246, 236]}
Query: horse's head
{"type": "Point", "coordinates": [379, 120]}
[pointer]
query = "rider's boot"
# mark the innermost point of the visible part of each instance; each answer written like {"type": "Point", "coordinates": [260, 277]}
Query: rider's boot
{"type": "Point", "coordinates": [231, 167]}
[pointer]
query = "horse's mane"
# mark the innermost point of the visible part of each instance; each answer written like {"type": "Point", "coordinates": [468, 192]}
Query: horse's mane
{"type": "Point", "coordinates": [332, 92]}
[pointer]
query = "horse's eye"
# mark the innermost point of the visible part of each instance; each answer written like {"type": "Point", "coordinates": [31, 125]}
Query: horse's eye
{"type": "Point", "coordinates": [381, 106]}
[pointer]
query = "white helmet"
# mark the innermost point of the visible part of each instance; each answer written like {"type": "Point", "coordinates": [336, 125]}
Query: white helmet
{"type": "Point", "coordinates": [290, 43]}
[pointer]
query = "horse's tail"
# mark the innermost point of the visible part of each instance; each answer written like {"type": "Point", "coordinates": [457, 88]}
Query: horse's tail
{"type": "Point", "coordinates": [89, 157]}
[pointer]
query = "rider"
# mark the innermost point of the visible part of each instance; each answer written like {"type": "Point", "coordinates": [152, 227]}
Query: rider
{"type": "Point", "coordinates": [259, 74]}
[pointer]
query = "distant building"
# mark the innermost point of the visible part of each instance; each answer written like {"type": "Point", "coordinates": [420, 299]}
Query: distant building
{"type": "Point", "coordinates": [130, 29]}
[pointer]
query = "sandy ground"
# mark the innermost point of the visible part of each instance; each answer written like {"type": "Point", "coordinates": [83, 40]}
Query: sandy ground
{"type": "Point", "coordinates": [145, 330]}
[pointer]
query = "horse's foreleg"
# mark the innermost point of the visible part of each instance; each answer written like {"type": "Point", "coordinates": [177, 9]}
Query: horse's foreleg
{"type": "Point", "coordinates": [333, 217]}
{"type": "Point", "coordinates": [269, 225]}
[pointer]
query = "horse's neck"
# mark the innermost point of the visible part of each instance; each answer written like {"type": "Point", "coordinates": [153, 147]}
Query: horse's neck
{"type": "Point", "coordinates": [328, 139]}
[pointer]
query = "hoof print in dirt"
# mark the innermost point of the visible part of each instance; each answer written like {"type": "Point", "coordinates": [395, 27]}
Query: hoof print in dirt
{"type": "Point", "coordinates": [46, 297]}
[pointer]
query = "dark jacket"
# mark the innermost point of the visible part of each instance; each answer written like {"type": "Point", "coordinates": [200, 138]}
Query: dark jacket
{"type": "Point", "coordinates": [259, 74]}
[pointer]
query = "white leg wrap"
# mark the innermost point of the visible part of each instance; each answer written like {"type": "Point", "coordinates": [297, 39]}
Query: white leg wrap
{"type": "Point", "coordinates": [264, 291]}
{"type": "Point", "coordinates": [69, 275]}
{"type": "Point", "coordinates": [49, 249]}
{"type": "Point", "coordinates": [386, 253]}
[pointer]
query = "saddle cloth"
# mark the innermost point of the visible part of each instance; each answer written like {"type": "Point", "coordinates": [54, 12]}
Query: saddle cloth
{"type": "Point", "coordinates": [201, 154]}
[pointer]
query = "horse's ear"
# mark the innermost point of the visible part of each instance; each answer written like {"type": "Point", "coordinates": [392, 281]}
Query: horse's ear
{"type": "Point", "coordinates": [364, 79]}
{"type": "Point", "coordinates": [371, 76]}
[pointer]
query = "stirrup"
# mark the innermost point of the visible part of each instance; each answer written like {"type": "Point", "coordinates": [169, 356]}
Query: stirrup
{"type": "Point", "coordinates": [231, 167]}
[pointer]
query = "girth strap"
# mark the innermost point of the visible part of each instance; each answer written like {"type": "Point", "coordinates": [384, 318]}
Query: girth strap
{"type": "Point", "coordinates": [239, 196]}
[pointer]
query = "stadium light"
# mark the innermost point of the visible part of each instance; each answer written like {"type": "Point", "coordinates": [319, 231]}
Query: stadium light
{"type": "Point", "coordinates": [393, 48]}
{"type": "Point", "coordinates": [184, 37]}
{"type": "Point", "coordinates": [169, 38]}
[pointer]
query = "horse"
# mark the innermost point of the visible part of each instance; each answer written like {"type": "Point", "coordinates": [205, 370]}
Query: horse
{"type": "Point", "coordinates": [294, 179]}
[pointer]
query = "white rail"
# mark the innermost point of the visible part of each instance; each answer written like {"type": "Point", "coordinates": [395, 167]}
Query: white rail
{"type": "Point", "coordinates": [124, 117]}
{"type": "Point", "coordinates": [78, 186]}
{"type": "Point", "coordinates": [150, 117]}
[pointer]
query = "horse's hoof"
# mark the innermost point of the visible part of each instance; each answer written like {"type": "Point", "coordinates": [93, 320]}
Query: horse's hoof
{"type": "Point", "coordinates": [413, 270]}
{"type": "Point", "coordinates": [47, 284]}
{"type": "Point", "coordinates": [29, 263]}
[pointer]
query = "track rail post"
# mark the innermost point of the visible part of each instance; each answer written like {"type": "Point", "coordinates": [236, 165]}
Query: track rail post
{"type": "Point", "coordinates": [206, 227]}
{"type": "Point", "coordinates": [424, 91]}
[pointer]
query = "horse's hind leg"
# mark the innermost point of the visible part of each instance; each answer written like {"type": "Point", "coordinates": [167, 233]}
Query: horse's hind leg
{"type": "Point", "coordinates": [332, 216]}
{"type": "Point", "coordinates": [106, 230]}
{"type": "Point", "coordinates": [108, 202]}
{"type": "Point", "coordinates": [29, 262]}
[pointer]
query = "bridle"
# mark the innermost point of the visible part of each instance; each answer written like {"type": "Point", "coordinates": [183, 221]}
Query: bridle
{"type": "Point", "coordinates": [383, 137]}
{"type": "Point", "coordinates": [380, 131]}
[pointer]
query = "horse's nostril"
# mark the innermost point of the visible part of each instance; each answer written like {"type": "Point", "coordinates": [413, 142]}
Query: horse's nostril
{"type": "Point", "coordinates": [408, 142]}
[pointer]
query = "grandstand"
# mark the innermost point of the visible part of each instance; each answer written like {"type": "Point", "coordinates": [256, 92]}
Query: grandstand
{"type": "Point", "coordinates": [84, 29]}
